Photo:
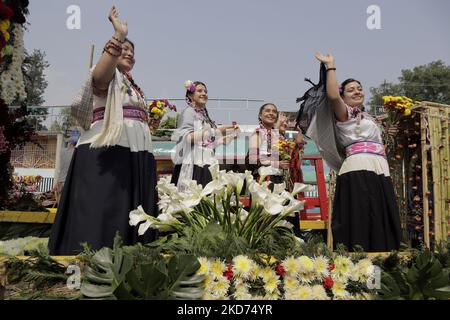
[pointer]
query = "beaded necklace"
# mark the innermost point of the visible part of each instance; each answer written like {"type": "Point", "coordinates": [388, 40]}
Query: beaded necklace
{"type": "Point", "coordinates": [268, 134]}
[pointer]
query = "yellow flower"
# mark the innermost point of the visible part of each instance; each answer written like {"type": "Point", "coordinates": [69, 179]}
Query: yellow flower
{"type": "Point", "coordinates": [342, 264]}
{"type": "Point", "coordinates": [266, 273]}
{"type": "Point", "coordinates": [321, 266]}
{"type": "Point", "coordinates": [407, 112]}
{"type": "Point", "coordinates": [306, 264]}
{"type": "Point", "coordinates": [217, 268]}
{"type": "Point", "coordinates": [221, 286]}
{"type": "Point", "coordinates": [292, 266]}
{"type": "Point", "coordinates": [307, 277]}
{"type": "Point", "coordinates": [290, 283]}
{"type": "Point", "coordinates": [4, 25]}
{"type": "Point", "coordinates": [242, 266]}
{"type": "Point", "coordinates": [271, 284]}
{"type": "Point", "coordinates": [339, 291]}
{"type": "Point", "coordinates": [268, 260]}
{"type": "Point", "coordinates": [205, 266]}
{"type": "Point", "coordinates": [303, 293]}
{"type": "Point", "coordinates": [6, 35]}
{"type": "Point", "coordinates": [242, 295]}
{"type": "Point", "coordinates": [274, 295]}
{"type": "Point", "coordinates": [319, 293]}
{"type": "Point", "coordinates": [154, 110]}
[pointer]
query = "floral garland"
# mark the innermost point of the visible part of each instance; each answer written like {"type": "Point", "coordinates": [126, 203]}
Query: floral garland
{"type": "Point", "coordinates": [11, 80]}
{"type": "Point", "coordinates": [294, 278]}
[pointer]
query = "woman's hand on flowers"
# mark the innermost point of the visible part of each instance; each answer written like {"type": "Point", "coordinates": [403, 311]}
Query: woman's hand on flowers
{"type": "Point", "coordinates": [154, 123]}
{"type": "Point", "coordinates": [328, 59]}
{"type": "Point", "coordinates": [120, 28]}
{"type": "Point", "coordinates": [284, 164]}
{"type": "Point", "coordinates": [226, 129]}
{"type": "Point", "coordinates": [392, 130]}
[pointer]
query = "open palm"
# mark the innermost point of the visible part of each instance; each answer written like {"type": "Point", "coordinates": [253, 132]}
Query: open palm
{"type": "Point", "coordinates": [326, 59]}
{"type": "Point", "coordinates": [119, 26]}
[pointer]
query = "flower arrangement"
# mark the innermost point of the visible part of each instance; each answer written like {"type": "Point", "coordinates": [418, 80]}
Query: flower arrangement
{"type": "Point", "coordinates": [158, 108]}
{"type": "Point", "coordinates": [397, 106]}
{"type": "Point", "coordinates": [294, 278]}
{"type": "Point", "coordinates": [221, 202]}
{"type": "Point", "coordinates": [11, 48]}
{"type": "Point", "coordinates": [285, 148]}
{"type": "Point", "coordinates": [189, 85]}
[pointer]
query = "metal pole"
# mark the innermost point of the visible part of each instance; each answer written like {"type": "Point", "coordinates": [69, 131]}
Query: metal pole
{"type": "Point", "coordinates": [91, 61]}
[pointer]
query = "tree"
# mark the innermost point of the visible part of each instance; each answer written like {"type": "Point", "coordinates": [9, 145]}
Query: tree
{"type": "Point", "coordinates": [430, 82]}
{"type": "Point", "coordinates": [33, 68]}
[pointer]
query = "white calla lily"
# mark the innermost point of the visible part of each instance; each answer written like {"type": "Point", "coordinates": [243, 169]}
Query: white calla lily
{"type": "Point", "coordinates": [273, 204]}
{"type": "Point", "coordinates": [144, 227]}
{"type": "Point", "coordinates": [137, 216]}
{"type": "Point", "coordinates": [301, 187]}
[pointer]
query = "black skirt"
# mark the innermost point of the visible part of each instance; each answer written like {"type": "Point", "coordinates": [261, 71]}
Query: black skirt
{"type": "Point", "coordinates": [102, 186]}
{"type": "Point", "coordinates": [365, 212]}
{"type": "Point", "coordinates": [200, 174]}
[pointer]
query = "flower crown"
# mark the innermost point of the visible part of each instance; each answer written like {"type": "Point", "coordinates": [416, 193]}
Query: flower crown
{"type": "Point", "coordinates": [189, 85]}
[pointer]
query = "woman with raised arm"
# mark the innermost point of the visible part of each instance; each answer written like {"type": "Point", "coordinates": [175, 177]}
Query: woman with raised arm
{"type": "Point", "coordinates": [365, 211]}
{"type": "Point", "coordinates": [113, 170]}
{"type": "Point", "coordinates": [197, 136]}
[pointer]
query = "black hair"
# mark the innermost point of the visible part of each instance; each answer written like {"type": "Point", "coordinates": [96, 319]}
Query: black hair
{"type": "Point", "coordinates": [346, 82]}
{"type": "Point", "coordinates": [129, 41]}
{"type": "Point", "coordinates": [196, 83]}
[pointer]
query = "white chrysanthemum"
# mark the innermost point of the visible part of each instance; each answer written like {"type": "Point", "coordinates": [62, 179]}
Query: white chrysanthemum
{"type": "Point", "coordinates": [271, 284]}
{"type": "Point", "coordinates": [319, 293]}
{"type": "Point", "coordinates": [306, 264]}
{"type": "Point", "coordinates": [205, 266]}
{"type": "Point", "coordinates": [291, 266]}
{"type": "Point", "coordinates": [321, 265]}
{"type": "Point", "coordinates": [339, 291]}
{"type": "Point", "coordinates": [267, 273]}
{"type": "Point", "coordinates": [303, 293]}
{"type": "Point", "coordinates": [243, 266]}
{"type": "Point", "coordinates": [343, 268]}
{"type": "Point", "coordinates": [242, 295]}
{"type": "Point", "coordinates": [207, 282]}
{"type": "Point", "coordinates": [307, 278]}
{"type": "Point", "coordinates": [364, 268]}
{"type": "Point", "coordinates": [290, 283]}
{"type": "Point", "coordinates": [274, 295]}
{"type": "Point", "coordinates": [218, 267]}
{"type": "Point", "coordinates": [220, 286]}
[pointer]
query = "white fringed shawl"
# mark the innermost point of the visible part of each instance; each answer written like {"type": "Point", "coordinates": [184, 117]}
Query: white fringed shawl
{"type": "Point", "coordinates": [82, 108]}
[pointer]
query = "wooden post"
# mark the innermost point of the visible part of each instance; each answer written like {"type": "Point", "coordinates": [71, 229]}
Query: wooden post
{"type": "Point", "coordinates": [91, 60]}
{"type": "Point", "coordinates": [426, 218]}
{"type": "Point", "coordinates": [445, 163]}
{"type": "Point", "coordinates": [59, 146]}
{"type": "Point", "coordinates": [436, 164]}
{"type": "Point", "coordinates": [331, 191]}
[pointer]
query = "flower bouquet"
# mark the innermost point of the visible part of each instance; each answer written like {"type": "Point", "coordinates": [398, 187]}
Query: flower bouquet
{"type": "Point", "coordinates": [395, 107]}
{"type": "Point", "coordinates": [285, 148]}
{"type": "Point", "coordinates": [220, 203]}
{"type": "Point", "coordinates": [156, 110]}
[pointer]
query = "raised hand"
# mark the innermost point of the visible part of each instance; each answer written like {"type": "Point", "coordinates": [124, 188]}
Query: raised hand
{"type": "Point", "coordinates": [120, 28]}
{"type": "Point", "coordinates": [328, 59]}
{"type": "Point", "coordinates": [226, 129]}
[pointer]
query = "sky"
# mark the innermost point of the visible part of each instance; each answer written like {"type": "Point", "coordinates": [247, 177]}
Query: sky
{"type": "Point", "coordinates": [241, 49]}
